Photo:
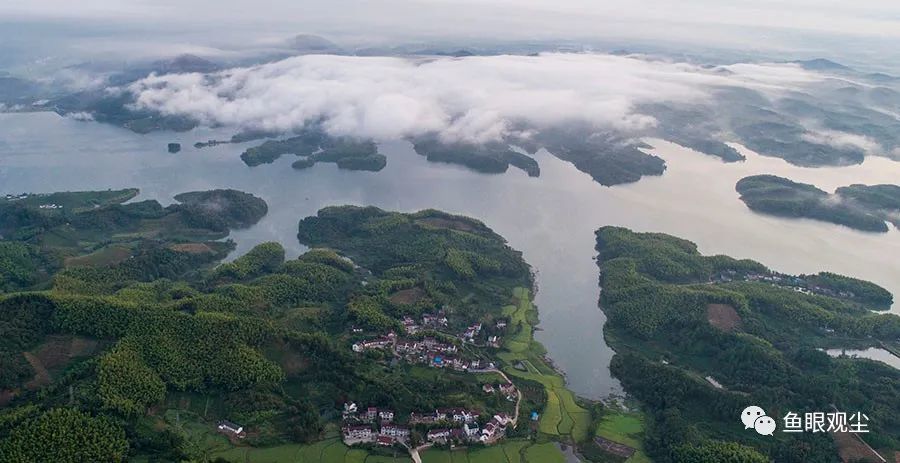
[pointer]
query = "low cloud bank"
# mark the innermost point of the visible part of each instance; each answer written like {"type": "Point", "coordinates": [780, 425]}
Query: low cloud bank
{"type": "Point", "coordinates": [839, 139]}
{"type": "Point", "coordinates": [473, 99]}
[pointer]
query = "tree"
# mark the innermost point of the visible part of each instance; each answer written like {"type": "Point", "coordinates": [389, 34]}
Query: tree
{"type": "Point", "coordinates": [127, 385]}
{"type": "Point", "coordinates": [722, 452]}
{"type": "Point", "coordinates": [65, 435]}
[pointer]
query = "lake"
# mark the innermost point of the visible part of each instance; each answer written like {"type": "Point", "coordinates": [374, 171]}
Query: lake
{"type": "Point", "coordinates": [872, 353]}
{"type": "Point", "coordinates": [551, 219]}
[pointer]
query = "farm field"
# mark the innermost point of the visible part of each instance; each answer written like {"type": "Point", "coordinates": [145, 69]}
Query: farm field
{"type": "Point", "coordinates": [511, 451]}
{"type": "Point", "coordinates": [562, 415]}
{"type": "Point", "coordinates": [326, 451]}
{"type": "Point", "coordinates": [624, 428]}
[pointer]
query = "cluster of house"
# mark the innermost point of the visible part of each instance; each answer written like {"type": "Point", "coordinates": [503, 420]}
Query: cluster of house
{"type": "Point", "coordinates": [434, 321]}
{"type": "Point", "coordinates": [360, 427]}
{"type": "Point", "coordinates": [376, 426]}
{"type": "Point", "coordinates": [28, 195]}
{"type": "Point", "coordinates": [795, 283]}
{"type": "Point", "coordinates": [469, 431]}
{"type": "Point", "coordinates": [508, 390]}
{"type": "Point", "coordinates": [428, 351]}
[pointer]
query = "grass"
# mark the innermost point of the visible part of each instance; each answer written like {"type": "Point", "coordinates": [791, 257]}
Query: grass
{"type": "Point", "coordinates": [326, 451]}
{"type": "Point", "coordinates": [552, 416]}
{"type": "Point", "coordinates": [459, 456]}
{"type": "Point", "coordinates": [624, 428]}
{"type": "Point", "coordinates": [336, 452]}
{"type": "Point", "coordinates": [544, 453]}
{"type": "Point", "coordinates": [514, 450]}
{"type": "Point", "coordinates": [382, 459]}
{"type": "Point", "coordinates": [436, 456]}
{"type": "Point", "coordinates": [493, 454]}
{"type": "Point", "coordinates": [510, 451]}
{"type": "Point", "coordinates": [355, 456]}
{"type": "Point", "coordinates": [105, 256]}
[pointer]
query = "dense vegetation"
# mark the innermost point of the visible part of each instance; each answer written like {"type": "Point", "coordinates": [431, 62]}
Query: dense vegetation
{"type": "Point", "coordinates": [314, 145]}
{"type": "Point", "coordinates": [607, 159]}
{"type": "Point", "coordinates": [86, 237]}
{"type": "Point", "coordinates": [860, 207]}
{"type": "Point", "coordinates": [673, 321]}
{"type": "Point", "coordinates": [788, 140]}
{"type": "Point", "coordinates": [862, 291]}
{"type": "Point", "coordinates": [65, 435]}
{"type": "Point", "coordinates": [883, 198]}
{"type": "Point", "coordinates": [220, 209]}
{"type": "Point", "coordinates": [104, 363]}
{"type": "Point", "coordinates": [490, 158]}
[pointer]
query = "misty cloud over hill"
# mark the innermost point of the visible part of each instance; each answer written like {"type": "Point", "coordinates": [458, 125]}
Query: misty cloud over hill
{"type": "Point", "coordinates": [476, 99]}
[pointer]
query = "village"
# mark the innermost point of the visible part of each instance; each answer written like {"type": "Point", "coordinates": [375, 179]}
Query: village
{"type": "Point", "coordinates": [795, 283]}
{"type": "Point", "coordinates": [429, 350]}
{"type": "Point", "coordinates": [442, 426]}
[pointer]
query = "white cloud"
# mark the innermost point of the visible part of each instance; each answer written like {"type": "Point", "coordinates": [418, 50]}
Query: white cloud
{"type": "Point", "coordinates": [81, 116]}
{"type": "Point", "coordinates": [475, 98]}
{"type": "Point", "coordinates": [840, 139]}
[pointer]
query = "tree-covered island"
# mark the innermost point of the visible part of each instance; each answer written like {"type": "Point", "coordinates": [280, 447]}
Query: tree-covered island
{"type": "Point", "coordinates": [862, 207]}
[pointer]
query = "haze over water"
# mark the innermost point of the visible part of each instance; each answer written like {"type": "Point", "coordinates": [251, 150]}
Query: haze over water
{"type": "Point", "coordinates": [551, 219]}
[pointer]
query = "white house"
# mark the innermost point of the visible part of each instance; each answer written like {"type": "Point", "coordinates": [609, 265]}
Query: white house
{"type": "Point", "coordinates": [234, 429]}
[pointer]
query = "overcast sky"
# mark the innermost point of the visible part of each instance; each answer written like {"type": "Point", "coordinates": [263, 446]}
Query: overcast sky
{"type": "Point", "coordinates": [692, 20]}
{"type": "Point", "coordinates": [858, 33]}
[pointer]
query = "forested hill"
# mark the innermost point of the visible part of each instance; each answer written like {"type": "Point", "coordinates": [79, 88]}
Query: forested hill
{"type": "Point", "coordinates": [433, 242]}
{"type": "Point", "coordinates": [861, 207]}
{"type": "Point", "coordinates": [141, 357]}
{"type": "Point", "coordinates": [677, 318]}
{"type": "Point", "coordinates": [77, 232]}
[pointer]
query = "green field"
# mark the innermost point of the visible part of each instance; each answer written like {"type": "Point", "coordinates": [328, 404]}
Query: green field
{"type": "Point", "coordinates": [562, 415]}
{"type": "Point", "coordinates": [326, 451]}
{"type": "Point", "coordinates": [544, 453]}
{"type": "Point", "coordinates": [624, 428]}
{"type": "Point", "coordinates": [510, 451]}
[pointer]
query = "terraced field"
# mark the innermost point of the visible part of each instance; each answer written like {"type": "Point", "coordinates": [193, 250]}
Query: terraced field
{"type": "Point", "coordinates": [562, 416]}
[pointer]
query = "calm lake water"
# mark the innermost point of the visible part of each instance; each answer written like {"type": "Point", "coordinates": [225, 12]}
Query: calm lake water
{"type": "Point", "coordinates": [551, 219]}
{"type": "Point", "coordinates": [872, 353]}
